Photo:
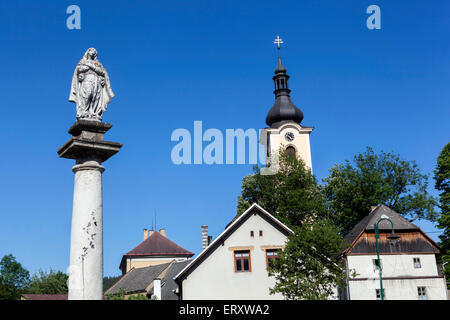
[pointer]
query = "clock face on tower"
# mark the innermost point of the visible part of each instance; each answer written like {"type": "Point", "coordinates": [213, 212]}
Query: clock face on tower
{"type": "Point", "coordinates": [289, 136]}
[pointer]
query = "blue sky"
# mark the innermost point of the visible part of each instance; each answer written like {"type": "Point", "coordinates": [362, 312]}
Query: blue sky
{"type": "Point", "coordinates": [173, 62]}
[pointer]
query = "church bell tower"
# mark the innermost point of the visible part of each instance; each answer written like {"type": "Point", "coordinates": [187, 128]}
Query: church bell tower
{"type": "Point", "coordinates": [284, 119]}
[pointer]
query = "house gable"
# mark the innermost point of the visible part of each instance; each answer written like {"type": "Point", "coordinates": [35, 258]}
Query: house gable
{"type": "Point", "coordinates": [254, 209]}
{"type": "Point", "coordinates": [361, 239]}
{"type": "Point", "coordinates": [212, 275]}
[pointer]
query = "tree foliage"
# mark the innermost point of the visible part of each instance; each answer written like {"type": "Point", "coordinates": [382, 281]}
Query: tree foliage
{"type": "Point", "coordinates": [13, 278]}
{"type": "Point", "coordinates": [292, 194]}
{"type": "Point", "coordinates": [442, 179]}
{"type": "Point", "coordinates": [308, 267]}
{"type": "Point", "coordinates": [372, 179]}
{"type": "Point", "coordinates": [121, 295]}
{"type": "Point", "coordinates": [108, 282]}
{"type": "Point", "coordinates": [51, 282]}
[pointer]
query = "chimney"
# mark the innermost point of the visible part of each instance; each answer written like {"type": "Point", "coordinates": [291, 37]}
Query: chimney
{"type": "Point", "coordinates": [150, 232]}
{"type": "Point", "coordinates": [157, 287]}
{"type": "Point", "coordinates": [163, 232]}
{"type": "Point", "coordinates": [145, 234]}
{"type": "Point", "coordinates": [205, 237]}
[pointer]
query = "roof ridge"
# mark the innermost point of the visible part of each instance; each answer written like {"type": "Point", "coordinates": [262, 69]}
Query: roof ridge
{"type": "Point", "coordinates": [163, 238]}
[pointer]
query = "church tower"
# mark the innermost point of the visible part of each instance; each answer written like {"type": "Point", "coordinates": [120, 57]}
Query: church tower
{"type": "Point", "coordinates": [284, 120]}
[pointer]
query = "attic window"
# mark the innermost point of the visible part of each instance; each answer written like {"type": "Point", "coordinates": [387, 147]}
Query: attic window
{"type": "Point", "coordinates": [271, 254]}
{"type": "Point", "coordinates": [260, 233]}
{"type": "Point", "coordinates": [242, 261]}
{"type": "Point", "coordinates": [417, 264]}
{"type": "Point", "coordinates": [376, 264]}
{"type": "Point", "coordinates": [252, 234]}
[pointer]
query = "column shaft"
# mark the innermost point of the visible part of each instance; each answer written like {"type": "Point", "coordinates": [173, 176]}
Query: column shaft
{"type": "Point", "coordinates": [86, 242]}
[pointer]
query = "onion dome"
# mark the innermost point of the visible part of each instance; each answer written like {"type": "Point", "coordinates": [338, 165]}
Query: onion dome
{"type": "Point", "coordinates": [283, 109]}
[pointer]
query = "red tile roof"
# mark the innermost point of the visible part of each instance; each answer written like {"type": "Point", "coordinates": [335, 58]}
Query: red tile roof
{"type": "Point", "coordinates": [44, 296]}
{"type": "Point", "coordinates": [158, 245]}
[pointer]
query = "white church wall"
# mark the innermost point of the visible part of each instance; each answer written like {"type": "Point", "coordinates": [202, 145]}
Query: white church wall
{"type": "Point", "coordinates": [300, 142]}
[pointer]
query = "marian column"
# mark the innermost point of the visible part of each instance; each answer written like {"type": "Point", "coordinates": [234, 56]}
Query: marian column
{"type": "Point", "coordinates": [91, 91]}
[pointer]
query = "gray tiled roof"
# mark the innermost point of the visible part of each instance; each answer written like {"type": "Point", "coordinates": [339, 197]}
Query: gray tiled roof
{"type": "Point", "coordinates": [137, 279]}
{"type": "Point", "coordinates": [168, 283]}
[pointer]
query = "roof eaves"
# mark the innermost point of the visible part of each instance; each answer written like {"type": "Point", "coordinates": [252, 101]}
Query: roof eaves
{"type": "Point", "coordinates": [208, 248]}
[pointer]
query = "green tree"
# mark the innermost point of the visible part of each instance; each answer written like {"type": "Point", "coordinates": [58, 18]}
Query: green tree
{"type": "Point", "coordinates": [442, 179]}
{"type": "Point", "coordinates": [13, 278]}
{"type": "Point", "coordinates": [108, 282]}
{"type": "Point", "coordinates": [120, 295]}
{"type": "Point", "coordinates": [308, 268]}
{"type": "Point", "coordinates": [292, 194]}
{"type": "Point", "coordinates": [52, 282]}
{"type": "Point", "coordinates": [373, 179]}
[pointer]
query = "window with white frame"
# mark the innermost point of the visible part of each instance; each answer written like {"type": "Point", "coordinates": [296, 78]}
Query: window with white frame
{"type": "Point", "coordinates": [422, 293]}
{"type": "Point", "coordinates": [416, 262]}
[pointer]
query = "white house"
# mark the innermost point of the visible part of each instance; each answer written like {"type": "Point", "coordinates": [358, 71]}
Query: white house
{"type": "Point", "coordinates": [234, 265]}
{"type": "Point", "coordinates": [408, 265]}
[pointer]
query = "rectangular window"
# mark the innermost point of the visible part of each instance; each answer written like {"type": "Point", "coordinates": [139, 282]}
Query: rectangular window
{"type": "Point", "coordinates": [271, 254]}
{"type": "Point", "coordinates": [378, 293]}
{"type": "Point", "coordinates": [252, 234]}
{"type": "Point", "coordinates": [417, 264]}
{"type": "Point", "coordinates": [242, 261]}
{"type": "Point", "coordinates": [422, 293]}
{"type": "Point", "coordinates": [260, 233]}
{"type": "Point", "coordinates": [376, 264]}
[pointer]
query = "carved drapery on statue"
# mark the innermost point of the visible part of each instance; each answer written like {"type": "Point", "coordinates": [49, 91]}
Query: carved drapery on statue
{"type": "Point", "coordinates": [91, 88]}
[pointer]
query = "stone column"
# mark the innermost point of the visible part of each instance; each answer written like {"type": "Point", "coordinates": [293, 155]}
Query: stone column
{"type": "Point", "coordinates": [89, 149]}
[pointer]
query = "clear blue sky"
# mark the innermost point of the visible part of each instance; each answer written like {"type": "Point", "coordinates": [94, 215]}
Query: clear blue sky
{"type": "Point", "coordinates": [176, 61]}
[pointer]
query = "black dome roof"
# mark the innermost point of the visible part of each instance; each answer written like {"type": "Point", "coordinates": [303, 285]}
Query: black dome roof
{"type": "Point", "coordinates": [283, 110]}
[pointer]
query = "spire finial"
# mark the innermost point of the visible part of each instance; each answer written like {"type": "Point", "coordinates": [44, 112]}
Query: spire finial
{"type": "Point", "coordinates": [280, 68]}
{"type": "Point", "coordinates": [278, 41]}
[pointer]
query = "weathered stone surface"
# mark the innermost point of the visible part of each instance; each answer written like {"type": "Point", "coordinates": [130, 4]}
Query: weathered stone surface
{"type": "Point", "coordinates": [91, 88]}
{"type": "Point", "coordinates": [88, 142]}
{"type": "Point", "coordinates": [88, 147]}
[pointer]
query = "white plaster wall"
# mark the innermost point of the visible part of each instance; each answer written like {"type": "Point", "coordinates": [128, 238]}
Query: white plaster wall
{"type": "Point", "coordinates": [215, 277]}
{"type": "Point", "coordinates": [398, 289]}
{"type": "Point", "coordinates": [395, 266]}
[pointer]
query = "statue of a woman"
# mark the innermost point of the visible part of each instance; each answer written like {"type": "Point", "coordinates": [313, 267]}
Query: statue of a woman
{"type": "Point", "coordinates": [91, 89]}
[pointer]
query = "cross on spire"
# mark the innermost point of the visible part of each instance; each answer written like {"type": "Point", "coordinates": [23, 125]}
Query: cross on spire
{"type": "Point", "coordinates": [278, 41]}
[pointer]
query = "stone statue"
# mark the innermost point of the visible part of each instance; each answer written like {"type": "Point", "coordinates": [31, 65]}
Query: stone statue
{"type": "Point", "coordinates": [91, 89]}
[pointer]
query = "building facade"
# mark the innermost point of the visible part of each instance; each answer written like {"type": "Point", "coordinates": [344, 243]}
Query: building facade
{"type": "Point", "coordinates": [408, 264]}
{"type": "Point", "coordinates": [154, 250]}
{"type": "Point", "coordinates": [234, 265]}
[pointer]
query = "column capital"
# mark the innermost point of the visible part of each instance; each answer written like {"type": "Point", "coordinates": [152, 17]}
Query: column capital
{"type": "Point", "coordinates": [88, 165]}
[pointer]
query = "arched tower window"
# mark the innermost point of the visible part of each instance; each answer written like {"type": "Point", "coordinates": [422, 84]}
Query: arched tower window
{"type": "Point", "coordinates": [291, 151]}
